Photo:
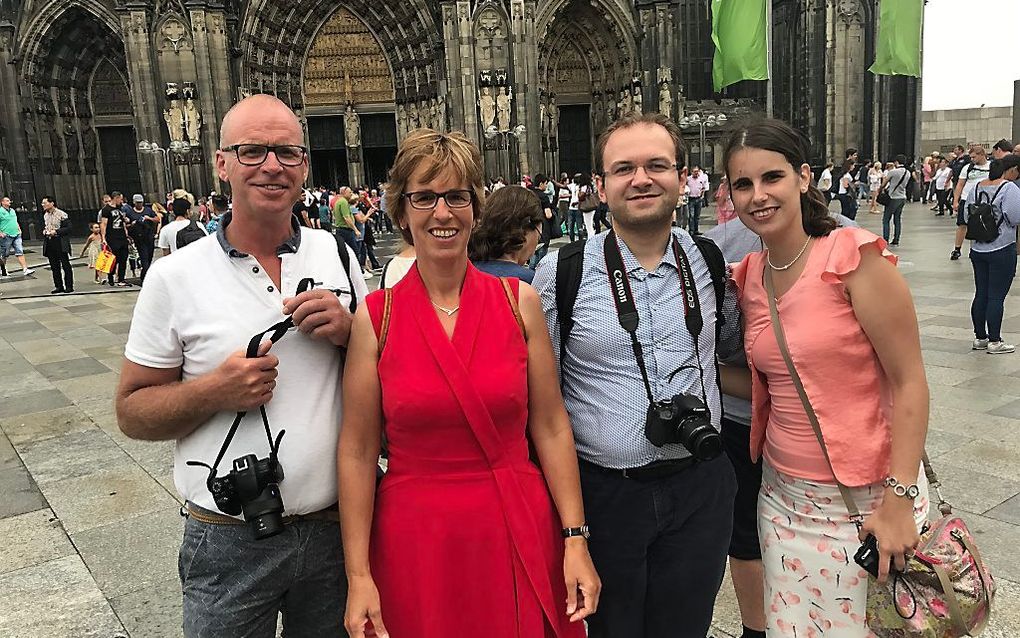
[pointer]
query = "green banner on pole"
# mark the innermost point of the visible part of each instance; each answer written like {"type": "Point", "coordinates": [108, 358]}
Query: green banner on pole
{"type": "Point", "coordinates": [898, 49]}
{"type": "Point", "coordinates": [740, 33]}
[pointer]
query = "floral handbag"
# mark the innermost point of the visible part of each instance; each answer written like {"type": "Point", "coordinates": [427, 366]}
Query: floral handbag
{"type": "Point", "coordinates": [946, 590]}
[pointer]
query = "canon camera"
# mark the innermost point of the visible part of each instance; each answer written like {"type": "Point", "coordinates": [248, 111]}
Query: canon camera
{"type": "Point", "coordinates": [686, 420]}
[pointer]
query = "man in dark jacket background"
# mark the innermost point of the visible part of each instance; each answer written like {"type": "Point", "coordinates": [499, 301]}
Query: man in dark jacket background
{"type": "Point", "coordinates": [57, 245]}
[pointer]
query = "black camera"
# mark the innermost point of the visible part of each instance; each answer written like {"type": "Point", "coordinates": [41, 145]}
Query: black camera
{"type": "Point", "coordinates": [252, 489]}
{"type": "Point", "coordinates": [686, 420]}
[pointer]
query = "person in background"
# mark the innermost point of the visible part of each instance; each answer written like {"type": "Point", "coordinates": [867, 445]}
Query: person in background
{"type": "Point", "coordinates": [57, 245]}
{"type": "Point", "coordinates": [875, 175]}
{"type": "Point", "coordinates": [10, 238]}
{"type": "Point", "coordinates": [697, 186]}
{"type": "Point", "coordinates": [825, 182]}
{"type": "Point", "coordinates": [942, 181]}
{"type": "Point", "coordinates": [507, 233]}
{"type": "Point", "coordinates": [550, 223]}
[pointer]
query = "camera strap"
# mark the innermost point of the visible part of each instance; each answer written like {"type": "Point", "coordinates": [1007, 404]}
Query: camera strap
{"type": "Point", "coordinates": [626, 309]}
{"type": "Point", "coordinates": [276, 332]}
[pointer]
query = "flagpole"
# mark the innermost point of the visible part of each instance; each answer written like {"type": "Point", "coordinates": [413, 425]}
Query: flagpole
{"type": "Point", "coordinates": [770, 87]}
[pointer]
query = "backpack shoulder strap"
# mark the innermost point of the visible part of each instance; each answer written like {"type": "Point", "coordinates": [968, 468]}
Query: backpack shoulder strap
{"type": "Point", "coordinates": [569, 267]}
{"type": "Point", "coordinates": [717, 269]}
{"type": "Point", "coordinates": [345, 261]}
{"type": "Point", "coordinates": [511, 288]}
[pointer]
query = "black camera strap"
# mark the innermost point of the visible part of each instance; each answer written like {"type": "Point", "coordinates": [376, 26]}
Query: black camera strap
{"type": "Point", "coordinates": [626, 309]}
{"type": "Point", "coordinates": [276, 332]}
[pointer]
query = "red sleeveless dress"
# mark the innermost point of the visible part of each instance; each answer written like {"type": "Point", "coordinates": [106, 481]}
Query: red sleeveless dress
{"type": "Point", "coordinates": [465, 540]}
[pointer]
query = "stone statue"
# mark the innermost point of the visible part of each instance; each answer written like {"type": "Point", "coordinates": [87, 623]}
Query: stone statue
{"type": "Point", "coordinates": [503, 109]}
{"type": "Point", "coordinates": [621, 104]}
{"type": "Point", "coordinates": [174, 118]}
{"type": "Point", "coordinates": [598, 115]}
{"type": "Point", "coordinates": [541, 116]}
{"type": "Point", "coordinates": [56, 147]}
{"type": "Point", "coordinates": [665, 100]}
{"type": "Point", "coordinates": [433, 114]}
{"type": "Point", "coordinates": [71, 142]}
{"type": "Point", "coordinates": [352, 128]}
{"type": "Point", "coordinates": [192, 122]}
{"type": "Point", "coordinates": [30, 135]}
{"type": "Point", "coordinates": [554, 117]}
{"type": "Point", "coordinates": [637, 100]}
{"type": "Point", "coordinates": [413, 117]}
{"type": "Point", "coordinates": [88, 141]}
{"type": "Point", "coordinates": [486, 107]}
{"type": "Point", "coordinates": [442, 113]}
{"type": "Point", "coordinates": [401, 121]}
{"type": "Point", "coordinates": [679, 101]}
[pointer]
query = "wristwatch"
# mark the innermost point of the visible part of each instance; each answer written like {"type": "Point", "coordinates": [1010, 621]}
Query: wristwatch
{"type": "Point", "coordinates": [576, 531]}
{"type": "Point", "coordinates": [899, 489]}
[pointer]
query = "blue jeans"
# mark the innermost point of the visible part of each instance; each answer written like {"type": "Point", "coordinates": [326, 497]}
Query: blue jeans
{"type": "Point", "coordinates": [348, 236]}
{"type": "Point", "coordinates": [848, 207]}
{"type": "Point", "coordinates": [694, 214]}
{"type": "Point", "coordinates": [893, 211]}
{"type": "Point", "coordinates": [575, 223]}
{"type": "Point", "coordinates": [8, 243]}
{"type": "Point", "coordinates": [235, 586]}
{"type": "Point", "coordinates": [993, 275]}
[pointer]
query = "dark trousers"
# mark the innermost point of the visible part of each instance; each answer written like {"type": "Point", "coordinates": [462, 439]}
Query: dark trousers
{"type": "Point", "coordinates": [145, 250]}
{"type": "Point", "coordinates": [601, 217]}
{"type": "Point", "coordinates": [694, 216]}
{"type": "Point", "coordinates": [943, 198]}
{"type": "Point", "coordinates": [660, 548]}
{"type": "Point", "coordinates": [121, 253]}
{"type": "Point", "coordinates": [61, 262]}
{"type": "Point", "coordinates": [575, 223]}
{"type": "Point", "coordinates": [848, 207]}
{"type": "Point", "coordinates": [893, 212]}
{"type": "Point", "coordinates": [993, 275]}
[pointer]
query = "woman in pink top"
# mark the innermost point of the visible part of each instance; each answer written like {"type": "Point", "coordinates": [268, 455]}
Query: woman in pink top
{"type": "Point", "coordinates": [852, 334]}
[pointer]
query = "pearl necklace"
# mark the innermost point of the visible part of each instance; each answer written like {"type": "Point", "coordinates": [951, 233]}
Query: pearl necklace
{"type": "Point", "coordinates": [789, 265]}
{"type": "Point", "coordinates": [449, 311]}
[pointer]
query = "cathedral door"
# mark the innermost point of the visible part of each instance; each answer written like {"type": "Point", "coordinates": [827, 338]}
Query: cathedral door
{"type": "Point", "coordinates": [120, 159]}
{"type": "Point", "coordinates": [378, 146]}
{"type": "Point", "coordinates": [575, 141]}
{"type": "Point", "coordinates": [328, 152]}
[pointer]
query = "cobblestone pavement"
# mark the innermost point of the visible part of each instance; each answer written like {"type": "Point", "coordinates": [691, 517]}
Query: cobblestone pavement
{"type": "Point", "coordinates": [89, 519]}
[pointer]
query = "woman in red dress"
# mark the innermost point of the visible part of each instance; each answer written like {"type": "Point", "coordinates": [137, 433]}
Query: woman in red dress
{"type": "Point", "coordinates": [463, 536]}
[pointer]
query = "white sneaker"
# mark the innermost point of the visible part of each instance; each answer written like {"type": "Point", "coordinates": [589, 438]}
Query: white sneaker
{"type": "Point", "coordinates": [1000, 347]}
{"type": "Point", "coordinates": [28, 271]}
{"type": "Point", "coordinates": [979, 344]}
{"type": "Point", "coordinates": [368, 274]}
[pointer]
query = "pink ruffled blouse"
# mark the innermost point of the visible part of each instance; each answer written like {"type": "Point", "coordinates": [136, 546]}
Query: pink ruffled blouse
{"type": "Point", "coordinates": [842, 376]}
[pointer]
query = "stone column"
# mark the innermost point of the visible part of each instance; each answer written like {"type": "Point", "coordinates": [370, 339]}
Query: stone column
{"type": "Point", "coordinates": [649, 51]}
{"type": "Point", "coordinates": [144, 93]}
{"type": "Point", "coordinates": [1016, 112]}
{"type": "Point", "coordinates": [845, 78]}
{"type": "Point", "coordinates": [214, 81]}
{"type": "Point", "coordinates": [460, 65]}
{"type": "Point", "coordinates": [666, 36]}
{"type": "Point", "coordinates": [11, 116]}
{"type": "Point", "coordinates": [526, 107]}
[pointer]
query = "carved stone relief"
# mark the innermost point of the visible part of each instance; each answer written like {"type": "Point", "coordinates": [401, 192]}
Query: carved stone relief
{"type": "Point", "coordinates": [346, 64]}
{"type": "Point", "coordinates": [173, 35]}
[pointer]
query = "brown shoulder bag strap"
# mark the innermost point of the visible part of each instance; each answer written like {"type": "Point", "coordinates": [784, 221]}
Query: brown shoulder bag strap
{"type": "Point", "coordinates": [513, 305]}
{"type": "Point", "coordinates": [385, 327]}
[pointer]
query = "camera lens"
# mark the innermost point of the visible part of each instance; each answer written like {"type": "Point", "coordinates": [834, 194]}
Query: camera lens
{"type": "Point", "coordinates": [700, 438]}
{"type": "Point", "coordinates": [265, 513]}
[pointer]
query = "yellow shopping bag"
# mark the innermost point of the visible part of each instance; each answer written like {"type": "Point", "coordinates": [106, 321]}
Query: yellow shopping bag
{"type": "Point", "coordinates": [105, 262]}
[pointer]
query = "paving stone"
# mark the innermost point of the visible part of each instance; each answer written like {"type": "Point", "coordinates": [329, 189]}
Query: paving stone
{"type": "Point", "coordinates": [976, 400]}
{"type": "Point", "coordinates": [118, 328]}
{"type": "Point", "coordinates": [57, 599]}
{"type": "Point", "coordinates": [19, 333]}
{"type": "Point", "coordinates": [20, 494]}
{"type": "Point", "coordinates": [155, 457]}
{"type": "Point", "coordinates": [132, 554]}
{"type": "Point", "coordinates": [30, 539]}
{"type": "Point", "coordinates": [9, 459]}
{"type": "Point", "coordinates": [44, 425]}
{"type": "Point", "coordinates": [105, 497]}
{"type": "Point", "coordinates": [22, 383]}
{"type": "Point", "coordinates": [71, 369]}
{"type": "Point", "coordinates": [1009, 511]}
{"type": "Point", "coordinates": [972, 488]}
{"type": "Point", "coordinates": [72, 455]}
{"type": "Point", "coordinates": [31, 304]}
{"type": "Point", "coordinates": [1002, 385]}
{"type": "Point", "coordinates": [100, 385]}
{"type": "Point", "coordinates": [154, 612]}
{"type": "Point", "coordinates": [38, 401]}
{"type": "Point", "coordinates": [974, 424]}
{"type": "Point", "coordinates": [48, 351]}
{"type": "Point", "coordinates": [88, 309]}
{"type": "Point", "coordinates": [940, 442]}
{"type": "Point", "coordinates": [1011, 410]}
{"type": "Point", "coordinates": [939, 375]}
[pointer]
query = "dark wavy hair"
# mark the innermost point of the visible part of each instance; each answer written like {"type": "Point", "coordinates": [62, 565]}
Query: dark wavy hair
{"type": "Point", "coordinates": [507, 217]}
{"type": "Point", "coordinates": [775, 135]}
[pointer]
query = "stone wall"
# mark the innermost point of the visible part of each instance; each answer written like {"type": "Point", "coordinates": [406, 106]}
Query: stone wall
{"type": "Point", "coordinates": [942, 130]}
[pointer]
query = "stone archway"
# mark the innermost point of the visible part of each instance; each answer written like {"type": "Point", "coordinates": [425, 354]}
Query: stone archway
{"type": "Point", "coordinates": [587, 57]}
{"type": "Point", "coordinates": [62, 124]}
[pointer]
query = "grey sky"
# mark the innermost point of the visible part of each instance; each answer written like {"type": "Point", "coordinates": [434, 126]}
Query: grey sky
{"type": "Point", "coordinates": [970, 53]}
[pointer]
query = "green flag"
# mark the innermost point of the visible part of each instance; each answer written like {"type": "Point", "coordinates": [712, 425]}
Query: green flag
{"type": "Point", "coordinates": [740, 33]}
{"type": "Point", "coordinates": [898, 50]}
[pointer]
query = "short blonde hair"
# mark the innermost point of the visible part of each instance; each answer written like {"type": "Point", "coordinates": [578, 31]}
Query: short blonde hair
{"type": "Point", "coordinates": [436, 152]}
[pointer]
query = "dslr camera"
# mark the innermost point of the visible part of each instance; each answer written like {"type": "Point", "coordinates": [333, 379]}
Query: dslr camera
{"type": "Point", "coordinates": [252, 488]}
{"type": "Point", "coordinates": [684, 419]}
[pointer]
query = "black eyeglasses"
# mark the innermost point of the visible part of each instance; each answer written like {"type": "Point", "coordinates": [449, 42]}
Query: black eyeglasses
{"type": "Point", "coordinates": [256, 154]}
{"type": "Point", "coordinates": [427, 200]}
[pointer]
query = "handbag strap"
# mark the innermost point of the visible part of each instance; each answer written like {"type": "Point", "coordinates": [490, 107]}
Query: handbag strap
{"type": "Point", "coordinates": [777, 327]}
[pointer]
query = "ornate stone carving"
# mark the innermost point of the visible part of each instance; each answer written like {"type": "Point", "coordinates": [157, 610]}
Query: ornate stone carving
{"type": "Point", "coordinates": [346, 64]}
{"type": "Point", "coordinates": [192, 122]}
{"type": "Point", "coordinates": [71, 143]}
{"type": "Point", "coordinates": [503, 109]}
{"type": "Point", "coordinates": [486, 107]}
{"type": "Point", "coordinates": [850, 11]}
{"type": "Point", "coordinates": [174, 35]}
{"type": "Point", "coordinates": [352, 128]}
{"type": "Point", "coordinates": [554, 117]}
{"type": "Point", "coordinates": [174, 118]}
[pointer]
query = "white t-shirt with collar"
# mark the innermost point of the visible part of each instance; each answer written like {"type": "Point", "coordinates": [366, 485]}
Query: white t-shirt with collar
{"type": "Point", "coordinates": [198, 306]}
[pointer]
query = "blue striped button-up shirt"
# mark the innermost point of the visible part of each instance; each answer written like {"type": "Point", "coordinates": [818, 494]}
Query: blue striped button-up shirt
{"type": "Point", "coordinates": [602, 386]}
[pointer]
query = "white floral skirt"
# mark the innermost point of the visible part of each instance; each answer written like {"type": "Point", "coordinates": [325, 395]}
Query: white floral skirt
{"type": "Point", "coordinates": [813, 587]}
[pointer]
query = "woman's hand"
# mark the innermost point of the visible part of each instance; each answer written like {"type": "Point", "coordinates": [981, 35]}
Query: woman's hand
{"type": "Point", "coordinates": [892, 524]}
{"type": "Point", "coordinates": [363, 608]}
{"type": "Point", "coordinates": [583, 584]}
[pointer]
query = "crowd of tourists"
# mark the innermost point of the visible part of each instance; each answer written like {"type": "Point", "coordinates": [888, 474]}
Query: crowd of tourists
{"type": "Point", "coordinates": [581, 453]}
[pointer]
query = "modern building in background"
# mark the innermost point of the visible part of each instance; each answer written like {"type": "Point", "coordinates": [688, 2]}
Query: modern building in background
{"type": "Point", "coordinates": [943, 130]}
{"type": "Point", "coordinates": [128, 94]}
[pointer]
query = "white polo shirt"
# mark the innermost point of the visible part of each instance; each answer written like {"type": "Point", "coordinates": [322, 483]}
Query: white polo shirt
{"type": "Point", "coordinates": [206, 301]}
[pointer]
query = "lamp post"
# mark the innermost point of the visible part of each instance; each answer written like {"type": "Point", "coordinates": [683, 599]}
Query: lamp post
{"type": "Point", "coordinates": [702, 122]}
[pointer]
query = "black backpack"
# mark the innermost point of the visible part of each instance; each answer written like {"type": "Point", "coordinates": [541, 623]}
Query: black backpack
{"type": "Point", "coordinates": [570, 267]}
{"type": "Point", "coordinates": [191, 232]}
{"type": "Point", "coordinates": [982, 222]}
